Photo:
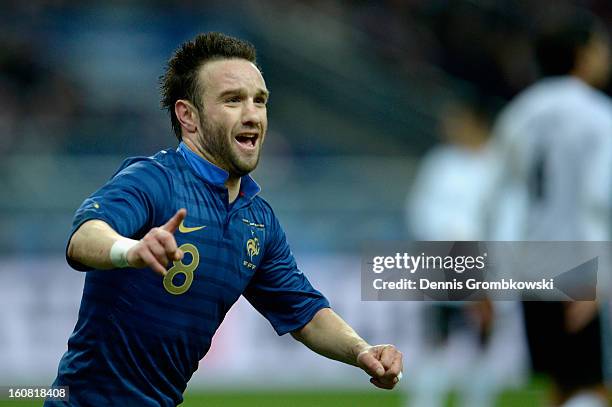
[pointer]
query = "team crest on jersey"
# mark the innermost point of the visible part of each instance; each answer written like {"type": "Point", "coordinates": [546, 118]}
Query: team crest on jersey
{"type": "Point", "coordinates": [252, 248]}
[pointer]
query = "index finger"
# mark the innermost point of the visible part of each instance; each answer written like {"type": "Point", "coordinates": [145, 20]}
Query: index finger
{"type": "Point", "coordinates": [175, 221]}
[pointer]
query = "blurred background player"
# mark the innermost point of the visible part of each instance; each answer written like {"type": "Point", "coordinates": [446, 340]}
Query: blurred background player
{"type": "Point", "coordinates": [554, 141]}
{"type": "Point", "coordinates": [475, 349]}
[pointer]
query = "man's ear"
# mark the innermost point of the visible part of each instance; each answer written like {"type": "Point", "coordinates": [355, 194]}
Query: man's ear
{"type": "Point", "coordinates": [187, 115]}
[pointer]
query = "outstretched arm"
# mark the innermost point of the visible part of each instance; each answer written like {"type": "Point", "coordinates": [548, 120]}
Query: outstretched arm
{"type": "Point", "coordinates": [97, 245]}
{"type": "Point", "coordinates": [328, 335]}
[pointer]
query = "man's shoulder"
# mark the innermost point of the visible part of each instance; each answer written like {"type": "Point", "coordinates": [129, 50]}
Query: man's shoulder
{"type": "Point", "coordinates": [261, 205]}
{"type": "Point", "coordinates": [600, 105]}
{"type": "Point", "coordinates": [163, 161]}
{"type": "Point", "coordinates": [553, 101]}
{"type": "Point", "coordinates": [564, 94]}
{"type": "Point", "coordinates": [264, 212]}
{"type": "Point", "coordinates": [542, 95]}
{"type": "Point", "coordinates": [155, 172]}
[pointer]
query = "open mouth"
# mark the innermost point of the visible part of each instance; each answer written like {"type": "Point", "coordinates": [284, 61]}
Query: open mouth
{"type": "Point", "coordinates": [247, 140]}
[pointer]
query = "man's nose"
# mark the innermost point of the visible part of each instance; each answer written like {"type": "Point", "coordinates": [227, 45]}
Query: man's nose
{"type": "Point", "coordinates": [251, 114]}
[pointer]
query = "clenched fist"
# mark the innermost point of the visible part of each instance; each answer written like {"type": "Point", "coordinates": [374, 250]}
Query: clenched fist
{"type": "Point", "coordinates": [383, 363]}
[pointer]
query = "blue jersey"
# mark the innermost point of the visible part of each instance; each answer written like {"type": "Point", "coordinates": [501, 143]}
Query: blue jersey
{"type": "Point", "coordinates": [140, 336]}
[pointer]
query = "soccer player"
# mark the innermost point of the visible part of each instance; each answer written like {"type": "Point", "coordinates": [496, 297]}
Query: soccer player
{"type": "Point", "coordinates": [448, 201]}
{"type": "Point", "coordinates": [173, 240]}
{"type": "Point", "coordinates": [555, 139]}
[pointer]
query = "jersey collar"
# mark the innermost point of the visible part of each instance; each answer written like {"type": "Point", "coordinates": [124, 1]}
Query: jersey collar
{"type": "Point", "coordinates": [215, 175]}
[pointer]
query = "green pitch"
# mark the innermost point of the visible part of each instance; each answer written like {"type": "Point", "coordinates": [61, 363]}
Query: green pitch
{"type": "Point", "coordinates": [291, 398]}
{"type": "Point", "coordinates": [532, 396]}
{"type": "Point", "coordinates": [528, 397]}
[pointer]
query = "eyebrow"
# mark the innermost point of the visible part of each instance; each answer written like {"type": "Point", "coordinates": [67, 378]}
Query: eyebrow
{"type": "Point", "coordinates": [263, 92]}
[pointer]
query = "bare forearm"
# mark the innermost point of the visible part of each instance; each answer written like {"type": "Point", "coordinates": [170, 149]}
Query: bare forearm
{"type": "Point", "coordinates": [91, 244]}
{"type": "Point", "coordinates": [95, 244]}
{"type": "Point", "coordinates": [328, 335]}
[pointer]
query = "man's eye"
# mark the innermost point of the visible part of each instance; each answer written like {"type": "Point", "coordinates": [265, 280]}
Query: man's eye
{"type": "Point", "coordinates": [233, 99]}
{"type": "Point", "coordinates": [262, 101]}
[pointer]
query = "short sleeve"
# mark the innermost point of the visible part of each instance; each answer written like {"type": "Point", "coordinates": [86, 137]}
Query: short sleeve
{"type": "Point", "coordinates": [133, 201]}
{"type": "Point", "coordinates": [279, 290]}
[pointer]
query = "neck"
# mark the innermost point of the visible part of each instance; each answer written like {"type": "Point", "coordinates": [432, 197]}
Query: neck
{"type": "Point", "coordinates": [199, 151]}
{"type": "Point", "coordinates": [233, 187]}
{"type": "Point", "coordinates": [583, 73]}
{"type": "Point", "coordinates": [232, 183]}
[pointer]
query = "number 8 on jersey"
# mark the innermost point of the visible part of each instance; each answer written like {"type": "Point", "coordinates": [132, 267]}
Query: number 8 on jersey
{"type": "Point", "coordinates": [179, 267]}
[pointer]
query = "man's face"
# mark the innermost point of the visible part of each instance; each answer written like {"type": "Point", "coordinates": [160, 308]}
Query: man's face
{"type": "Point", "coordinates": [594, 60]}
{"type": "Point", "coordinates": [233, 117]}
{"type": "Point", "coordinates": [601, 59]}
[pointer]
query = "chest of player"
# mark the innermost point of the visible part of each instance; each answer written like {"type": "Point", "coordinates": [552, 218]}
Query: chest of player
{"type": "Point", "coordinates": [223, 250]}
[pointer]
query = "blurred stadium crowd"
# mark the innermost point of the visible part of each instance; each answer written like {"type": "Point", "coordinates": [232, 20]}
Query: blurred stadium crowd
{"type": "Point", "coordinates": [355, 85]}
{"type": "Point", "coordinates": [350, 79]}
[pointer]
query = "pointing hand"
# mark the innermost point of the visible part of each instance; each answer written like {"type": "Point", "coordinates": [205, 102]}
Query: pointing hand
{"type": "Point", "coordinates": [158, 247]}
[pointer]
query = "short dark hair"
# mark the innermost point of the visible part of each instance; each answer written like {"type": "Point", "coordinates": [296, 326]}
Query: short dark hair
{"type": "Point", "coordinates": [180, 79]}
{"type": "Point", "coordinates": [560, 38]}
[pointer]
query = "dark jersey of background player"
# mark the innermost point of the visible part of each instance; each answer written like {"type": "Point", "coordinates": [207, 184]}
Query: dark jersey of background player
{"type": "Point", "coordinates": [150, 334]}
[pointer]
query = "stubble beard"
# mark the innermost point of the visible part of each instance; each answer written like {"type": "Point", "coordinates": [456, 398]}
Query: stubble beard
{"type": "Point", "coordinates": [216, 142]}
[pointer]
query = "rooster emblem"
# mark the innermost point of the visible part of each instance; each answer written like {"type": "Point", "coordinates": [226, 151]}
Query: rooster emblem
{"type": "Point", "coordinates": [252, 247]}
